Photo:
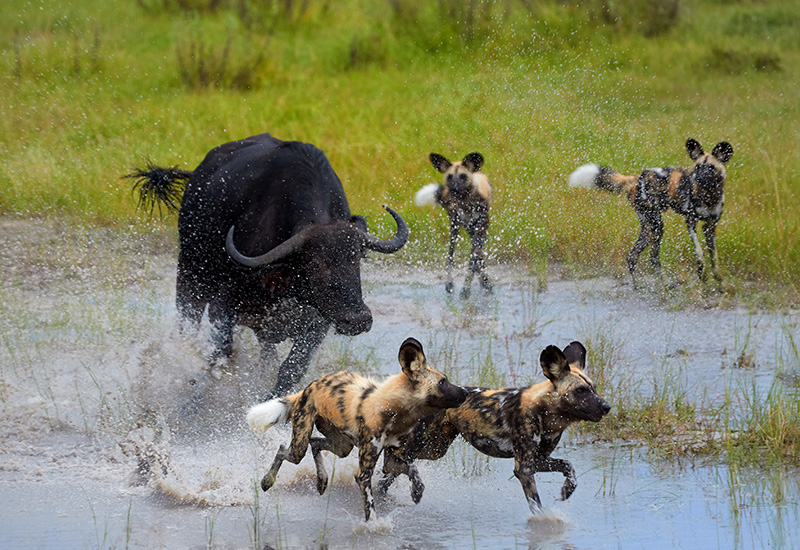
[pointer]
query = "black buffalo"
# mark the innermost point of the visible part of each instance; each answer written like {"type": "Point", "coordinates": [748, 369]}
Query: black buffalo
{"type": "Point", "coordinates": [267, 241]}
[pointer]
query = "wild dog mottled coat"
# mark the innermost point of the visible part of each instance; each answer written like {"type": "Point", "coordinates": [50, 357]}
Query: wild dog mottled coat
{"type": "Point", "coordinates": [350, 410]}
{"type": "Point", "coordinates": [525, 424]}
{"type": "Point", "coordinates": [696, 193]}
{"type": "Point", "coordinates": [465, 196]}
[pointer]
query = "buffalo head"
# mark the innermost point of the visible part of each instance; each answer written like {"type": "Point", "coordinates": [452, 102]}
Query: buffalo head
{"type": "Point", "coordinates": [321, 266]}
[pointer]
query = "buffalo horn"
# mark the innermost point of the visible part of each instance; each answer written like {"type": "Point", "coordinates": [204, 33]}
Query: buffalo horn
{"type": "Point", "coordinates": [393, 245]}
{"type": "Point", "coordinates": [282, 250]}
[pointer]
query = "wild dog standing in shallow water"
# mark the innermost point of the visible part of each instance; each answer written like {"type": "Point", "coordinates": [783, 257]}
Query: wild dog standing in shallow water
{"type": "Point", "coordinates": [465, 195]}
{"type": "Point", "coordinates": [696, 193]}
{"type": "Point", "coordinates": [521, 423]}
{"type": "Point", "coordinates": [350, 410]}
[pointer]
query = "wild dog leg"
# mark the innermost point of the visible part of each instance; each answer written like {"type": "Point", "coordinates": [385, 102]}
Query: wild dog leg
{"type": "Point", "coordinates": [302, 427]}
{"type": "Point", "coordinates": [657, 232]}
{"type": "Point", "coordinates": [527, 463]}
{"type": "Point", "coordinates": [338, 446]}
{"type": "Point", "coordinates": [394, 465]}
{"type": "Point", "coordinates": [451, 251]}
{"type": "Point", "coordinates": [367, 459]}
{"type": "Point", "coordinates": [524, 470]}
{"type": "Point", "coordinates": [641, 243]}
{"type": "Point", "coordinates": [562, 466]}
{"type": "Point", "coordinates": [710, 232]}
{"type": "Point", "coordinates": [691, 226]}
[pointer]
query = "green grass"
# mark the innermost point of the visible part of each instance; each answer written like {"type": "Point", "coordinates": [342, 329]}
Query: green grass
{"type": "Point", "coordinates": [379, 84]}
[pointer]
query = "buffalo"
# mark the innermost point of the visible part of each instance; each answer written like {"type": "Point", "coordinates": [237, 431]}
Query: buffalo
{"type": "Point", "coordinates": [267, 241]}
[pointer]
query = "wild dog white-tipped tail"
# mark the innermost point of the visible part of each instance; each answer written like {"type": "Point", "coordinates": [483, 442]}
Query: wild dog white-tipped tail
{"type": "Point", "coordinates": [584, 176]}
{"type": "Point", "coordinates": [427, 195]}
{"type": "Point", "coordinates": [261, 417]}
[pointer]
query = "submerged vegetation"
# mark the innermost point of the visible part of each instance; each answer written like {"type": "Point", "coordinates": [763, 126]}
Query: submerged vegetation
{"type": "Point", "coordinates": [539, 87]}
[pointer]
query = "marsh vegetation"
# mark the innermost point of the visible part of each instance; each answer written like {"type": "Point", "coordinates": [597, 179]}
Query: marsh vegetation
{"type": "Point", "coordinates": [97, 386]}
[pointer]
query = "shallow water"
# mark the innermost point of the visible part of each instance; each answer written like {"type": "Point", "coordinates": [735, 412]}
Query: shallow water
{"type": "Point", "coordinates": [96, 385]}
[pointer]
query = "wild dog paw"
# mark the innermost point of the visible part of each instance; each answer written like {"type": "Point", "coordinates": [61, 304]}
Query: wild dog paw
{"type": "Point", "coordinates": [268, 481]}
{"type": "Point", "coordinates": [322, 483]}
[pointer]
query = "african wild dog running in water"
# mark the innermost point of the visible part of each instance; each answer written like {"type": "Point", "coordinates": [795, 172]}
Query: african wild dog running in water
{"type": "Point", "coordinates": [520, 423]}
{"type": "Point", "coordinates": [350, 410]}
{"type": "Point", "coordinates": [696, 193]}
{"type": "Point", "coordinates": [465, 195]}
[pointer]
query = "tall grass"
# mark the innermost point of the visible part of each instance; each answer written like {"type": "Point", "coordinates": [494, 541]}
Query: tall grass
{"type": "Point", "coordinates": [538, 87]}
{"type": "Point", "coordinates": [745, 426]}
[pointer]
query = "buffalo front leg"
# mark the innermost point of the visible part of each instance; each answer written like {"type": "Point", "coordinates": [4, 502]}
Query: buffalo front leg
{"type": "Point", "coordinates": [294, 366]}
{"type": "Point", "coordinates": [221, 318]}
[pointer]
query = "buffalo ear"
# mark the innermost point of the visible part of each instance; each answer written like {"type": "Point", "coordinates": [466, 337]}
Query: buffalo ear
{"type": "Point", "coordinates": [473, 162]}
{"type": "Point", "coordinates": [440, 163]}
{"type": "Point", "coordinates": [554, 363]}
{"type": "Point", "coordinates": [360, 222]}
{"type": "Point", "coordinates": [576, 354]}
{"type": "Point", "coordinates": [411, 357]}
{"type": "Point", "coordinates": [723, 152]}
{"type": "Point", "coordinates": [694, 148]}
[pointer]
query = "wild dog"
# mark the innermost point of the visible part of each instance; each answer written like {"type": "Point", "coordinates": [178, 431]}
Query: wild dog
{"type": "Point", "coordinates": [350, 410]}
{"type": "Point", "coordinates": [696, 193]}
{"type": "Point", "coordinates": [525, 424]}
{"type": "Point", "coordinates": [465, 196]}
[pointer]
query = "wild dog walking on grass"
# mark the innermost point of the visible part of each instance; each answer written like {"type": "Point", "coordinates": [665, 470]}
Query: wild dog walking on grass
{"type": "Point", "coordinates": [696, 193]}
{"type": "Point", "coordinates": [520, 423]}
{"type": "Point", "coordinates": [350, 410]}
{"type": "Point", "coordinates": [465, 195]}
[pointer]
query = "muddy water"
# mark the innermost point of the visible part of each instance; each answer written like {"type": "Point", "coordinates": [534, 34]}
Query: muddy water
{"type": "Point", "coordinates": [114, 434]}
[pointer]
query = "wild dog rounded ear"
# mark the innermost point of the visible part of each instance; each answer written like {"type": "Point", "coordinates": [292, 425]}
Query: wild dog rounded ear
{"type": "Point", "coordinates": [575, 354]}
{"type": "Point", "coordinates": [723, 151]}
{"type": "Point", "coordinates": [473, 162]}
{"type": "Point", "coordinates": [440, 163]}
{"type": "Point", "coordinates": [554, 363]}
{"type": "Point", "coordinates": [411, 356]}
{"type": "Point", "coordinates": [694, 148]}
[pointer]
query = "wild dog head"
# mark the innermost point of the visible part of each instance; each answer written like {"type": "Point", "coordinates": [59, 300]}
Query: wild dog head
{"type": "Point", "coordinates": [577, 396]}
{"type": "Point", "coordinates": [709, 168]}
{"type": "Point", "coordinates": [429, 387]}
{"type": "Point", "coordinates": [459, 176]}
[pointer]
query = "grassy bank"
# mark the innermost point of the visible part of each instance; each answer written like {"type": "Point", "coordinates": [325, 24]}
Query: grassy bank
{"type": "Point", "coordinates": [537, 87]}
